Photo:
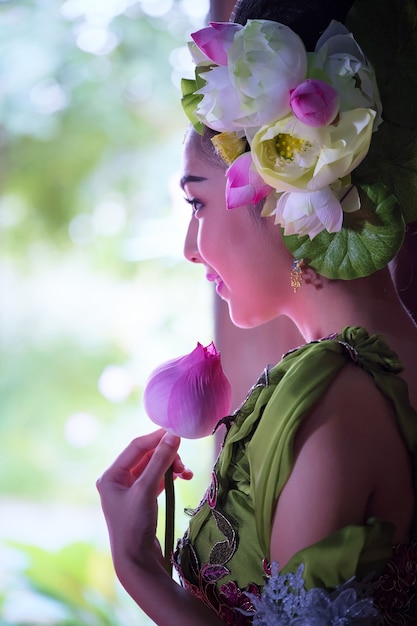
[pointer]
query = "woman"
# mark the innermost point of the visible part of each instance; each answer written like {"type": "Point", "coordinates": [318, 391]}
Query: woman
{"type": "Point", "coordinates": [317, 469]}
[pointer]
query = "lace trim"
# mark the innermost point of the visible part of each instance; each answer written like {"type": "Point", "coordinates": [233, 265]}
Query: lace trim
{"type": "Point", "coordinates": [285, 601]}
{"type": "Point", "coordinates": [232, 604]}
{"type": "Point", "coordinates": [395, 591]}
{"type": "Point", "coordinates": [391, 599]}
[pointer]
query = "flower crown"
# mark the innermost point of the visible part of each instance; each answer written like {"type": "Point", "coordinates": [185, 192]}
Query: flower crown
{"type": "Point", "coordinates": [293, 127]}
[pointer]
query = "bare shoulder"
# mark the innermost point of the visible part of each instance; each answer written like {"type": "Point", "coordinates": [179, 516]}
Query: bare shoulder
{"type": "Point", "coordinates": [354, 400]}
{"type": "Point", "coordinates": [350, 463]}
{"type": "Point", "coordinates": [359, 422]}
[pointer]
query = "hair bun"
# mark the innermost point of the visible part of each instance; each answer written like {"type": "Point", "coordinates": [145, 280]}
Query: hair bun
{"type": "Point", "coordinates": [308, 18]}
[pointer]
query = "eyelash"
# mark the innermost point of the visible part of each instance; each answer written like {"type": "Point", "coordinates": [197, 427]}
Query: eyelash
{"type": "Point", "coordinates": [195, 204]}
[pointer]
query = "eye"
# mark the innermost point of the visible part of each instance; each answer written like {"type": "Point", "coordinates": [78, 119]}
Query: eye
{"type": "Point", "coordinates": [195, 204]}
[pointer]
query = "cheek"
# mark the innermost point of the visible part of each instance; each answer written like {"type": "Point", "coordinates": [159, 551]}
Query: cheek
{"type": "Point", "coordinates": [210, 245]}
{"type": "Point", "coordinates": [215, 235]}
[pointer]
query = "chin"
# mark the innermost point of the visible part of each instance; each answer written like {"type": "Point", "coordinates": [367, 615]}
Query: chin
{"type": "Point", "coordinates": [249, 319]}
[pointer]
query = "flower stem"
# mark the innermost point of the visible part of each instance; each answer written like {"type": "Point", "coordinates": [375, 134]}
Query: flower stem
{"type": "Point", "coordinates": [169, 518]}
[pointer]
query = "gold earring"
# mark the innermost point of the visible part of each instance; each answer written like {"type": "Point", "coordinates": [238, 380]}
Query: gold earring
{"type": "Point", "coordinates": [296, 274]}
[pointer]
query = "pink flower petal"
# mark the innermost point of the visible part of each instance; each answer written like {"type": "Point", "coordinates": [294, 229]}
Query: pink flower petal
{"type": "Point", "coordinates": [315, 102]}
{"type": "Point", "coordinates": [215, 40]}
{"type": "Point", "coordinates": [244, 185]}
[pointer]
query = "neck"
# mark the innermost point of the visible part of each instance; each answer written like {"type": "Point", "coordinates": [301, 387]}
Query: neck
{"type": "Point", "coordinates": [322, 306]}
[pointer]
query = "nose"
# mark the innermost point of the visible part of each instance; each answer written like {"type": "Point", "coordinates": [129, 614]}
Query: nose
{"type": "Point", "coordinates": [191, 252]}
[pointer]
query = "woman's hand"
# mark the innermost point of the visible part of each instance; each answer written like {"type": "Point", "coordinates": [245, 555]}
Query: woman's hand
{"type": "Point", "coordinates": [129, 491]}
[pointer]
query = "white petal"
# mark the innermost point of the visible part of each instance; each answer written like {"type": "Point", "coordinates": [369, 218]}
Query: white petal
{"type": "Point", "coordinates": [328, 209]}
{"type": "Point", "coordinates": [350, 200]}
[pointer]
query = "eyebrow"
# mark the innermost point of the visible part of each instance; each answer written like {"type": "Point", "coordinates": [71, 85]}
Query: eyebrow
{"type": "Point", "coordinates": [191, 179]}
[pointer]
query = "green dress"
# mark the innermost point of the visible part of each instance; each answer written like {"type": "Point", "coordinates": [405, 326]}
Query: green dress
{"type": "Point", "coordinates": [224, 556]}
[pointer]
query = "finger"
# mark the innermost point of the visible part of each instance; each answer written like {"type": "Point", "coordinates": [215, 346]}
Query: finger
{"type": "Point", "coordinates": [186, 474]}
{"type": "Point", "coordinates": [179, 469]}
{"type": "Point", "coordinates": [161, 460]}
{"type": "Point", "coordinates": [120, 470]}
{"type": "Point", "coordinates": [137, 470]}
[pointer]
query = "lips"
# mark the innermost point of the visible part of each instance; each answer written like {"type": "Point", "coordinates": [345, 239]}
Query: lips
{"type": "Point", "coordinates": [219, 287]}
{"type": "Point", "coordinates": [215, 278]}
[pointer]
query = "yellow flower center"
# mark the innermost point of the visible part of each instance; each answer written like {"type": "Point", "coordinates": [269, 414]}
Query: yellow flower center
{"type": "Point", "coordinates": [286, 145]}
{"type": "Point", "coordinates": [229, 146]}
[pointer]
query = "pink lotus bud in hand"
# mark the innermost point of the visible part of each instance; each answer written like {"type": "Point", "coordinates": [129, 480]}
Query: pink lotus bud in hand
{"type": "Point", "coordinates": [315, 102]}
{"type": "Point", "coordinates": [189, 395]}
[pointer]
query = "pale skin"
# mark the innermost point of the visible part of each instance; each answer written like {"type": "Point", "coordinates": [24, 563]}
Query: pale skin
{"type": "Point", "coordinates": [345, 450]}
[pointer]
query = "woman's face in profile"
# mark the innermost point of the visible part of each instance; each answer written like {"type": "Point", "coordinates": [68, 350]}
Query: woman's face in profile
{"type": "Point", "coordinates": [243, 254]}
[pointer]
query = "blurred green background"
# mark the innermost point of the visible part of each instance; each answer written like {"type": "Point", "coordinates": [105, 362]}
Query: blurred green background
{"type": "Point", "coordinates": [94, 290]}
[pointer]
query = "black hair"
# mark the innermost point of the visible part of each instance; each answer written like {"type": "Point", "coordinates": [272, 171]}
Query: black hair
{"type": "Point", "coordinates": [205, 146]}
{"type": "Point", "coordinates": [308, 18]}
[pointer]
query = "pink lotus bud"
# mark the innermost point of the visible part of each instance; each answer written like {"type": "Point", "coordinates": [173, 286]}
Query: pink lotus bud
{"type": "Point", "coordinates": [215, 40]}
{"type": "Point", "coordinates": [244, 185]}
{"type": "Point", "coordinates": [315, 102]}
{"type": "Point", "coordinates": [189, 395]}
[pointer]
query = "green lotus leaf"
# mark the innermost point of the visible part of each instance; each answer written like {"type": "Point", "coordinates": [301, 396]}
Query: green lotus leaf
{"type": "Point", "coordinates": [190, 99]}
{"type": "Point", "coordinates": [369, 239]}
